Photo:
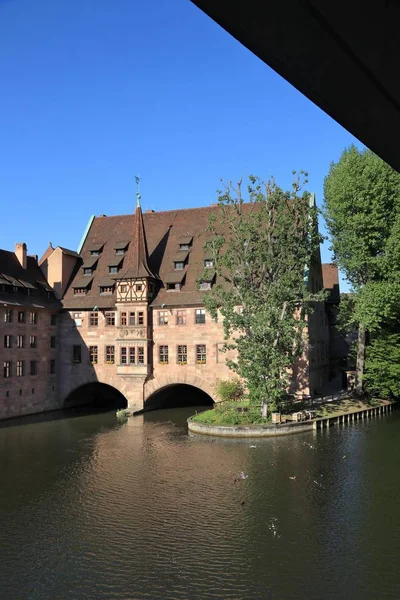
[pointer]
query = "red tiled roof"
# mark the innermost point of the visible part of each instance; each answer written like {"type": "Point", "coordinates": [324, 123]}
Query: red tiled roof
{"type": "Point", "coordinates": [163, 231]}
{"type": "Point", "coordinates": [12, 271]}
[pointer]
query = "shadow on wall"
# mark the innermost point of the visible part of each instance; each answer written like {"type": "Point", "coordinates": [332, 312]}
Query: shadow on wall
{"type": "Point", "coordinates": [176, 396]}
{"type": "Point", "coordinates": [99, 395]}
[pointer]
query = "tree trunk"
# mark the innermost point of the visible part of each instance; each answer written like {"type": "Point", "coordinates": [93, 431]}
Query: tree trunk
{"type": "Point", "coordinates": [361, 341]}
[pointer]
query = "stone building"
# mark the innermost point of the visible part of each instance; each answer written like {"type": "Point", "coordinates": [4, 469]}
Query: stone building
{"type": "Point", "coordinates": [29, 341]}
{"type": "Point", "coordinates": [134, 315]}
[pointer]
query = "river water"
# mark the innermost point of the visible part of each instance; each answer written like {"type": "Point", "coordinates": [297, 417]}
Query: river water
{"type": "Point", "coordinates": [91, 508]}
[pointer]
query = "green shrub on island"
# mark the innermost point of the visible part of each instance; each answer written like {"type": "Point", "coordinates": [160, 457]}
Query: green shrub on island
{"type": "Point", "coordinates": [229, 389]}
{"type": "Point", "coordinates": [232, 413]}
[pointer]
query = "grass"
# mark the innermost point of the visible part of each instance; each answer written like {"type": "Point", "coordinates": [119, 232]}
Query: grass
{"type": "Point", "coordinates": [232, 413]}
{"type": "Point", "coordinates": [347, 405]}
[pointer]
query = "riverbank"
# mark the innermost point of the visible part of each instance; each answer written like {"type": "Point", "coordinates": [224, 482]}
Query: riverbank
{"type": "Point", "coordinates": [236, 422]}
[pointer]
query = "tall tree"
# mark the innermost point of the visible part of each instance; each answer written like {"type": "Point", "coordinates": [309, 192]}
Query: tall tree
{"type": "Point", "coordinates": [260, 249]}
{"type": "Point", "coordinates": [362, 195]}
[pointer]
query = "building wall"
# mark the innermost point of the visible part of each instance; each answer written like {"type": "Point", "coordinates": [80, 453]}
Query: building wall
{"type": "Point", "coordinates": [27, 394]}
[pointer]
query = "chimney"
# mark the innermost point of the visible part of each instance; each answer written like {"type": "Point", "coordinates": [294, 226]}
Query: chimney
{"type": "Point", "coordinates": [20, 253]}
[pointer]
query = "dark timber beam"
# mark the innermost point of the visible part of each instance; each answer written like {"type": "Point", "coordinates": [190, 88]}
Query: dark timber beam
{"type": "Point", "coordinates": [343, 55]}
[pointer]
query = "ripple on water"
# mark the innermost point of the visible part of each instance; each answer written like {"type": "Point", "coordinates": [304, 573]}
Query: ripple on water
{"type": "Point", "coordinates": [93, 510]}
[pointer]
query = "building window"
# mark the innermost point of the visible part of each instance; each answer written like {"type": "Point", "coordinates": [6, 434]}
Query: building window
{"type": "Point", "coordinates": [77, 319]}
{"type": "Point", "coordinates": [181, 317]}
{"type": "Point", "coordinates": [110, 355]}
{"type": "Point", "coordinates": [21, 316]}
{"type": "Point", "coordinates": [52, 366]}
{"type": "Point", "coordinates": [140, 318]}
{"type": "Point", "coordinates": [113, 269]}
{"type": "Point", "coordinates": [184, 246]}
{"type": "Point", "coordinates": [8, 316]}
{"type": "Point", "coordinates": [110, 318]}
{"type": "Point", "coordinates": [20, 368]}
{"type": "Point", "coordinates": [123, 318]}
{"type": "Point", "coordinates": [120, 252]}
{"type": "Point", "coordinates": [179, 266]}
{"type": "Point", "coordinates": [20, 341]}
{"type": "Point", "coordinates": [7, 341]}
{"type": "Point", "coordinates": [53, 341]}
{"type": "Point", "coordinates": [93, 355]}
{"type": "Point", "coordinates": [140, 355]}
{"type": "Point", "coordinates": [53, 320]}
{"type": "Point", "coordinates": [106, 289]}
{"type": "Point", "coordinates": [79, 291]}
{"type": "Point", "coordinates": [205, 285]}
{"type": "Point", "coordinates": [123, 289]}
{"type": "Point", "coordinates": [174, 286]}
{"type": "Point", "coordinates": [33, 367]}
{"type": "Point", "coordinates": [132, 355]}
{"type": "Point", "coordinates": [208, 263]}
{"type": "Point", "coordinates": [201, 354]}
{"type": "Point", "coordinates": [163, 354]}
{"type": "Point", "coordinates": [33, 318]}
{"type": "Point", "coordinates": [200, 317]}
{"type": "Point", "coordinates": [182, 355]}
{"type": "Point", "coordinates": [124, 358]}
{"type": "Point", "coordinates": [32, 341]}
{"type": "Point", "coordinates": [139, 287]}
{"type": "Point", "coordinates": [7, 368]}
{"type": "Point", "coordinates": [163, 317]}
{"type": "Point", "coordinates": [93, 319]}
{"type": "Point", "coordinates": [87, 271]}
{"type": "Point", "coordinates": [132, 318]}
{"type": "Point", "coordinates": [76, 353]}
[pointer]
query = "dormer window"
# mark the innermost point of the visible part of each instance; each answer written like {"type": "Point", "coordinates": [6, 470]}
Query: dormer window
{"type": "Point", "coordinates": [185, 242]}
{"type": "Point", "coordinates": [179, 266]}
{"type": "Point", "coordinates": [88, 271]}
{"type": "Point", "coordinates": [174, 286]}
{"type": "Point", "coordinates": [205, 285]}
{"type": "Point", "coordinates": [207, 279]}
{"type": "Point", "coordinates": [106, 289]}
{"type": "Point", "coordinates": [114, 265]}
{"type": "Point", "coordinates": [174, 280]}
{"type": "Point", "coordinates": [95, 249]}
{"type": "Point", "coordinates": [120, 248]}
{"type": "Point", "coordinates": [208, 263]}
{"type": "Point", "coordinates": [79, 291]}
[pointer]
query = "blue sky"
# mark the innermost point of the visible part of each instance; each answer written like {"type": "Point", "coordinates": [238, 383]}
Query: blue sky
{"type": "Point", "coordinates": [94, 92]}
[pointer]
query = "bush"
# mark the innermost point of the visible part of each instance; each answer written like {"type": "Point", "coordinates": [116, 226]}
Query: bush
{"type": "Point", "coordinates": [229, 389]}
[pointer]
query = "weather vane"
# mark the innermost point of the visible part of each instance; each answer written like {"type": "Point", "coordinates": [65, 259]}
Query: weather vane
{"type": "Point", "coordinates": [138, 197]}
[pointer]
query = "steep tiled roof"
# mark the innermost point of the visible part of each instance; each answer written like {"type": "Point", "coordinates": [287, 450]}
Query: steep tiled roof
{"type": "Point", "coordinates": [30, 278]}
{"type": "Point", "coordinates": [164, 232]}
{"type": "Point", "coordinates": [330, 277]}
{"type": "Point", "coordinates": [136, 261]}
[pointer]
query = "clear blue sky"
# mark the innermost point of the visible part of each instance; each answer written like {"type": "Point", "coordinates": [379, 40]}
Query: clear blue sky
{"type": "Point", "coordinates": [96, 91]}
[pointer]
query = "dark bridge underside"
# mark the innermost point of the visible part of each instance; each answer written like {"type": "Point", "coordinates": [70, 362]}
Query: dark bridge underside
{"type": "Point", "coordinates": [99, 395]}
{"type": "Point", "coordinates": [174, 396]}
{"type": "Point", "coordinates": [343, 55]}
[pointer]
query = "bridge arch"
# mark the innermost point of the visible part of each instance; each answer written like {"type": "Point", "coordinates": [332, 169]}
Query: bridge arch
{"type": "Point", "coordinates": [197, 390]}
{"type": "Point", "coordinates": [97, 394]}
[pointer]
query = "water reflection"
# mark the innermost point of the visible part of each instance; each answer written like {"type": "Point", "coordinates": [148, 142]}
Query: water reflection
{"type": "Point", "coordinates": [95, 508]}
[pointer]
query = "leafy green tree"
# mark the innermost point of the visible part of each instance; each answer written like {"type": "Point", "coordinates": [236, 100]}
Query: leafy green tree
{"type": "Point", "coordinates": [382, 376]}
{"type": "Point", "coordinates": [362, 195]}
{"type": "Point", "coordinates": [260, 249]}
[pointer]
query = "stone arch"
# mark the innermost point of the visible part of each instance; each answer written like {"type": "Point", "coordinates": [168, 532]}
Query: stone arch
{"type": "Point", "coordinates": [157, 384]}
{"type": "Point", "coordinates": [95, 393]}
